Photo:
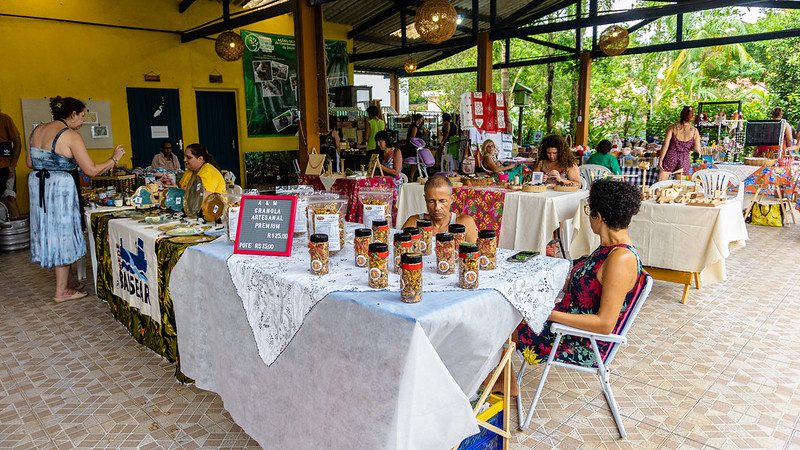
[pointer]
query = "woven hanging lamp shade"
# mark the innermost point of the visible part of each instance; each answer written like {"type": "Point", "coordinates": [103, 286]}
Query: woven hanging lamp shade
{"type": "Point", "coordinates": [229, 46]}
{"type": "Point", "coordinates": [614, 40]}
{"type": "Point", "coordinates": [410, 65]}
{"type": "Point", "coordinates": [435, 21]}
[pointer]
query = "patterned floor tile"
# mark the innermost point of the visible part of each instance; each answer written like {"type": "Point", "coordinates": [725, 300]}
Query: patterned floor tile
{"type": "Point", "coordinates": [717, 372]}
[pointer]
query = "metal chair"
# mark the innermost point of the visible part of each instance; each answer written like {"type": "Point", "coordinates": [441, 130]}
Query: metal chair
{"type": "Point", "coordinates": [603, 361]}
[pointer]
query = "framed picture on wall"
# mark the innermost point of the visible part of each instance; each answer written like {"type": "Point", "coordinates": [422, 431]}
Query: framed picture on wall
{"type": "Point", "coordinates": [99, 132]}
{"type": "Point", "coordinates": [90, 117]}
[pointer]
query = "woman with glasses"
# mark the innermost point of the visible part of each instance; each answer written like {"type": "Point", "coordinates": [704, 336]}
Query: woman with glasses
{"type": "Point", "coordinates": [601, 286]}
{"type": "Point", "coordinates": [680, 140]}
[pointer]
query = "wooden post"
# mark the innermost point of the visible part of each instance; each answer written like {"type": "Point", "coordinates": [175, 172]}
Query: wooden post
{"type": "Point", "coordinates": [484, 62]}
{"type": "Point", "coordinates": [312, 79]}
{"type": "Point", "coordinates": [394, 92]}
{"type": "Point", "coordinates": [584, 90]}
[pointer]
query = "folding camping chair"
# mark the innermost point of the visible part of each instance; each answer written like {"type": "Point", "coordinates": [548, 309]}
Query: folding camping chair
{"type": "Point", "coordinates": [602, 370]}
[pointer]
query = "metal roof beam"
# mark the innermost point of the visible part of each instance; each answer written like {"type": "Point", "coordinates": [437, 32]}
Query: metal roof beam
{"type": "Point", "coordinates": [514, 20]}
{"type": "Point", "coordinates": [640, 24]}
{"type": "Point", "coordinates": [520, 63]}
{"type": "Point", "coordinates": [374, 20]}
{"type": "Point", "coordinates": [709, 42]}
{"type": "Point", "coordinates": [238, 21]}
{"type": "Point", "coordinates": [552, 45]}
{"type": "Point", "coordinates": [455, 42]}
{"type": "Point", "coordinates": [184, 5]}
{"type": "Point", "coordinates": [626, 16]}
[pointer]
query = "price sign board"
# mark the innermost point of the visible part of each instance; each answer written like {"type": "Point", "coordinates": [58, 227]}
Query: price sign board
{"type": "Point", "coordinates": [266, 225]}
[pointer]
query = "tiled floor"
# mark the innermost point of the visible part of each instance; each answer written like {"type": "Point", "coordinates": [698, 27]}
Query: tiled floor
{"type": "Point", "coordinates": [719, 372]}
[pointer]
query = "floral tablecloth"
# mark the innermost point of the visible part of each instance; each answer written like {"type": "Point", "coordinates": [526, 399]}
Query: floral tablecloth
{"type": "Point", "coordinates": [484, 205]}
{"type": "Point", "coordinates": [350, 188]}
{"type": "Point", "coordinates": [161, 338]}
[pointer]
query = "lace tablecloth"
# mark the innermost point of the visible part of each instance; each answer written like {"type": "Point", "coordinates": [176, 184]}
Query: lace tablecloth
{"type": "Point", "coordinates": [277, 293]}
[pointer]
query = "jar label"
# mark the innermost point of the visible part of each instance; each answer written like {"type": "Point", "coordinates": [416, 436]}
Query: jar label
{"type": "Point", "coordinates": [444, 266]}
{"type": "Point", "coordinates": [361, 260]}
{"type": "Point", "coordinates": [470, 277]}
{"type": "Point", "coordinates": [375, 274]}
{"type": "Point", "coordinates": [483, 262]}
{"type": "Point", "coordinates": [316, 265]}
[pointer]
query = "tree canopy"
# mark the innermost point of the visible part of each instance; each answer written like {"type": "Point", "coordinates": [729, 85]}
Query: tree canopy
{"type": "Point", "coordinates": [638, 94]}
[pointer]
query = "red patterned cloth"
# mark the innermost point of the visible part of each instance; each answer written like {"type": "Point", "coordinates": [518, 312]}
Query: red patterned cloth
{"type": "Point", "coordinates": [484, 205]}
{"type": "Point", "coordinates": [350, 189]}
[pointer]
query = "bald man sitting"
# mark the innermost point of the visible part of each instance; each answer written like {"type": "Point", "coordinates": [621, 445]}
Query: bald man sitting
{"type": "Point", "coordinates": [439, 200]}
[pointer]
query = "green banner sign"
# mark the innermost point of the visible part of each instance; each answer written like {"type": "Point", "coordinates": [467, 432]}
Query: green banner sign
{"type": "Point", "coordinates": [270, 81]}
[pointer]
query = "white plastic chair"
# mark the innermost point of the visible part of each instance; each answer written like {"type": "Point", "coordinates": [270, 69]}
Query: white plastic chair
{"type": "Point", "coordinates": [602, 370]}
{"type": "Point", "coordinates": [584, 184]}
{"type": "Point", "coordinates": [668, 183]}
{"type": "Point", "coordinates": [403, 178]}
{"type": "Point", "coordinates": [716, 179]}
{"type": "Point", "coordinates": [592, 172]}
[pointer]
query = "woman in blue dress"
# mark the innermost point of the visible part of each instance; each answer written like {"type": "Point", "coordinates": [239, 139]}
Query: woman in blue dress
{"type": "Point", "coordinates": [56, 150]}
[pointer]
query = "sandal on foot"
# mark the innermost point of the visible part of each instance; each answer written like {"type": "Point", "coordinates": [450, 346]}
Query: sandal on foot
{"type": "Point", "coordinates": [75, 296]}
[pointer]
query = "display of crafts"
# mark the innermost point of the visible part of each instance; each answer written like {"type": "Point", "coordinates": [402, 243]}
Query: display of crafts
{"type": "Point", "coordinates": [477, 180]}
{"type": "Point", "coordinates": [535, 188]}
{"type": "Point", "coordinates": [692, 195]}
{"type": "Point", "coordinates": [187, 230]}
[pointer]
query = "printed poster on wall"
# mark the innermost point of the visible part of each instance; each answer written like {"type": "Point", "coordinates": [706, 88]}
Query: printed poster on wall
{"type": "Point", "coordinates": [134, 269]}
{"type": "Point", "coordinates": [270, 80]}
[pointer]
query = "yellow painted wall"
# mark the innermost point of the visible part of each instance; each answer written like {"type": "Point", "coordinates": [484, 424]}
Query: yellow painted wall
{"type": "Point", "coordinates": [46, 58]}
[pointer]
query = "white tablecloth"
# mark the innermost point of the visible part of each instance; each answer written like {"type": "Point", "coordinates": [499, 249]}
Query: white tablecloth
{"type": "Point", "coordinates": [529, 219]}
{"type": "Point", "coordinates": [365, 370]}
{"type": "Point", "coordinates": [677, 237]}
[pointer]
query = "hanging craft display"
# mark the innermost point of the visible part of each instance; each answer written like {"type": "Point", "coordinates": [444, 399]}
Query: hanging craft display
{"type": "Point", "coordinates": [484, 111]}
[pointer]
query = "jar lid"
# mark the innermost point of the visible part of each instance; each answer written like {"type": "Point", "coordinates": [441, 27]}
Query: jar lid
{"type": "Point", "coordinates": [444, 237]}
{"type": "Point", "coordinates": [411, 230]}
{"type": "Point", "coordinates": [318, 238]}
{"type": "Point", "coordinates": [411, 258]}
{"type": "Point", "coordinates": [424, 223]}
{"type": "Point", "coordinates": [378, 247]}
{"type": "Point", "coordinates": [487, 234]}
{"type": "Point", "coordinates": [402, 237]}
{"type": "Point", "coordinates": [467, 247]}
{"type": "Point", "coordinates": [363, 232]}
{"type": "Point", "coordinates": [380, 223]}
{"type": "Point", "coordinates": [457, 228]}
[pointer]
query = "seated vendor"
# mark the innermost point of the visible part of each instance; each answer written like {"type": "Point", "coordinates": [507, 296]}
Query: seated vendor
{"type": "Point", "coordinates": [557, 162]}
{"type": "Point", "coordinates": [491, 164]}
{"type": "Point", "coordinates": [439, 200]}
{"type": "Point", "coordinates": [391, 158]}
{"type": "Point", "coordinates": [603, 157]}
{"type": "Point", "coordinates": [601, 286]}
{"type": "Point", "coordinates": [202, 173]}
{"type": "Point", "coordinates": [165, 159]}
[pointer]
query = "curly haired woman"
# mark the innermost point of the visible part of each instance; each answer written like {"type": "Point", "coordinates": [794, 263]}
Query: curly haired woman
{"type": "Point", "coordinates": [557, 162]}
{"type": "Point", "coordinates": [600, 286]}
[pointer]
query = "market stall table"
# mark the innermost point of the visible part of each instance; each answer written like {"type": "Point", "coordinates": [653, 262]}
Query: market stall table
{"type": "Point", "coordinates": [350, 187]}
{"type": "Point", "coordinates": [526, 220]}
{"type": "Point", "coordinates": [132, 276]}
{"type": "Point", "coordinates": [683, 241]}
{"type": "Point", "coordinates": [365, 370]}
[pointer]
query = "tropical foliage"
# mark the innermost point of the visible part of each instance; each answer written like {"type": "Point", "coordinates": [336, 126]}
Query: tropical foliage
{"type": "Point", "coordinates": [642, 94]}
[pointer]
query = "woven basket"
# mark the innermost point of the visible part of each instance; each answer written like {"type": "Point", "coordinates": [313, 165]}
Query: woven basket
{"type": "Point", "coordinates": [752, 161]}
{"type": "Point", "coordinates": [534, 189]}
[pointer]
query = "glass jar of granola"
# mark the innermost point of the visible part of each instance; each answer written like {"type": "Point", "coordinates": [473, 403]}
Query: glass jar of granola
{"type": "Point", "coordinates": [445, 254]}
{"type": "Point", "coordinates": [402, 244]}
{"type": "Point", "coordinates": [378, 265]}
{"type": "Point", "coordinates": [468, 268]}
{"type": "Point", "coordinates": [318, 249]}
{"type": "Point", "coordinates": [487, 247]}
{"type": "Point", "coordinates": [415, 238]}
{"type": "Point", "coordinates": [411, 278]}
{"type": "Point", "coordinates": [426, 230]}
{"type": "Point", "coordinates": [361, 243]}
{"type": "Point", "coordinates": [380, 231]}
{"type": "Point", "coordinates": [458, 231]}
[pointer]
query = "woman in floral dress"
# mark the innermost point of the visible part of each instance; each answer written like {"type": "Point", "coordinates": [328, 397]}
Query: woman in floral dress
{"type": "Point", "coordinates": [601, 286]}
